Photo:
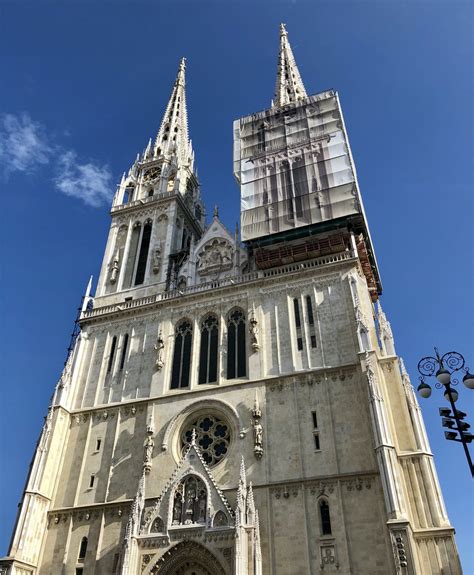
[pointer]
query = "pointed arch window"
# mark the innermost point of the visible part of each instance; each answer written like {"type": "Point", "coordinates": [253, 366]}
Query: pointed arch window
{"type": "Point", "coordinates": [143, 254]}
{"type": "Point", "coordinates": [112, 354]}
{"type": "Point", "coordinates": [236, 345]}
{"type": "Point", "coordinates": [124, 351]}
{"type": "Point", "coordinates": [182, 355]}
{"type": "Point", "coordinates": [82, 549]}
{"type": "Point", "coordinates": [325, 517]}
{"type": "Point", "coordinates": [208, 353]}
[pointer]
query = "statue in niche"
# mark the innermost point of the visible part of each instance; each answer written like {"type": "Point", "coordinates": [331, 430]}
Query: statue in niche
{"type": "Point", "coordinates": [257, 429]}
{"type": "Point", "coordinates": [148, 450]}
{"type": "Point", "coordinates": [253, 329]}
{"type": "Point", "coordinates": [202, 501]}
{"type": "Point", "coordinates": [177, 507]}
{"type": "Point", "coordinates": [159, 348]}
{"type": "Point", "coordinates": [156, 264]}
{"type": "Point", "coordinates": [190, 502]}
{"type": "Point", "coordinates": [114, 269]}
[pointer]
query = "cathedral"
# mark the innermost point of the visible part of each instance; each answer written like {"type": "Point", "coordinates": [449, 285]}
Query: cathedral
{"type": "Point", "coordinates": [232, 402]}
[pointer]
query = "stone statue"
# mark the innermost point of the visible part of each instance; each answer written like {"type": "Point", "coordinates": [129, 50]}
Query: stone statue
{"type": "Point", "coordinates": [114, 269]}
{"type": "Point", "coordinates": [159, 348]}
{"type": "Point", "coordinates": [156, 264]}
{"type": "Point", "coordinates": [177, 508]}
{"type": "Point", "coordinates": [257, 429]}
{"type": "Point", "coordinates": [148, 450]}
{"type": "Point", "coordinates": [253, 329]}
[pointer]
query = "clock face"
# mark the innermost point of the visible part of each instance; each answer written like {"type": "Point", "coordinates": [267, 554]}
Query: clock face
{"type": "Point", "coordinates": [152, 174]}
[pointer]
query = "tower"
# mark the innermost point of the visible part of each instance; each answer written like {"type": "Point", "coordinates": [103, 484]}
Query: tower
{"type": "Point", "coordinates": [230, 408]}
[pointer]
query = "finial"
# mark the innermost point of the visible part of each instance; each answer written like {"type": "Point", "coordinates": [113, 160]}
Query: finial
{"type": "Point", "coordinates": [182, 63]}
{"type": "Point", "coordinates": [216, 212]}
{"type": "Point", "coordinates": [283, 31]}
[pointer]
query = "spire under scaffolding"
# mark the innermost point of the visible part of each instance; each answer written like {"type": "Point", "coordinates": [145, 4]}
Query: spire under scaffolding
{"type": "Point", "coordinates": [289, 87]}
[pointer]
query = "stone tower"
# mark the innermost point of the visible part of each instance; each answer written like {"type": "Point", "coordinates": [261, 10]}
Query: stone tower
{"type": "Point", "coordinates": [234, 408]}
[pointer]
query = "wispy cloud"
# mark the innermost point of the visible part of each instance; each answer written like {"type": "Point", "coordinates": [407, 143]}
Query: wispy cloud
{"type": "Point", "coordinates": [89, 182]}
{"type": "Point", "coordinates": [23, 144]}
{"type": "Point", "coordinates": [26, 145]}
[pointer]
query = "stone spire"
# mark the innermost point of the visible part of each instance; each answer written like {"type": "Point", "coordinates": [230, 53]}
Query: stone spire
{"type": "Point", "coordinates": [289, 86]}
{"type": "Point", "coordinates": [173, 137]}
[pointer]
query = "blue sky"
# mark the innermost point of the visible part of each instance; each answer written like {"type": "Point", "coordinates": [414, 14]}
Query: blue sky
{"type": "Point", "coordinates": [85, 86]}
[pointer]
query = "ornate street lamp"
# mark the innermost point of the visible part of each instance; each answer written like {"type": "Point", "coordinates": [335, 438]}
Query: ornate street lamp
{"type": "Point", "coordinates": [442, 368]}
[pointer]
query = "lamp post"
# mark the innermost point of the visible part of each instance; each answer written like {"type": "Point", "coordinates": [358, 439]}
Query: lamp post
{"type": "Point", "coordinates": [442, 368]}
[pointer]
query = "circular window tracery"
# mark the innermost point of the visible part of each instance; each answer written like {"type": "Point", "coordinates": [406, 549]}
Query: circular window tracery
{"type": "Point", "coordinates": [213, 436]}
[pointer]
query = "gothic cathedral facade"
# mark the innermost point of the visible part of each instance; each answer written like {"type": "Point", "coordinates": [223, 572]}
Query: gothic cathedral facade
{"type": "Point", "coordinates": [233, 402]}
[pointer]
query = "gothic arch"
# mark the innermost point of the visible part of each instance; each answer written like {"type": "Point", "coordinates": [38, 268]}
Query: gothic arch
{"type": "Point", "coordinates": [186, 558]}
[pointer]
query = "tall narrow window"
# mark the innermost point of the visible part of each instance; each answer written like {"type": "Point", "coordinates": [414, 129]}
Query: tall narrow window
{"type": "Point", "coordinates": [91, 481]}
{"type": "Point", "coordinates": [112, 354]}
{"type": "Point", "coordinates": [182, 355]}
{"type": "Point", "coordinates": [208, 352]}
{"type": "Point", "coordinates": [143, 255]}
{"type": "Point", "coordinates": [236, 352]}
{"type": "Point", "coordinates": [132, 254]}
{"type": "Point", "coordinates": [309, 311]}
{"type": "Point", "coordinates": [82, 549]}
{"type": "Point", "coordinates": [124, 351]}
{"type": "Point", "coordinates": [317, 445]}
{"type": "Point", "coordinates": [325, 518]}
{"type": "Point", "coordinates": [299, 337]}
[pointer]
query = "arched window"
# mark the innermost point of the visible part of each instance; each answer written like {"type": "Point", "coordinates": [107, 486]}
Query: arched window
{"type": "Point", "coordinates": [325, 517]}
{"type": "Point", "coordinates": [124, 351]}
{"type": "Point", "coordinates": [236, 352]}
{"type": "Point", "coordinates": [143, 255]}
{"type": "Point", "coordinates": [208, 353]}
{"type": "Point", "coordinates": [82, 549]}
{"type": "Point", "coordinates": [132, 254]}
{"type": "Point", "coordinates": [182, 355]}
{"type": "Point", "coordinates": [112, 354]}
{"type": "Point", "coordinates": [190, 502]}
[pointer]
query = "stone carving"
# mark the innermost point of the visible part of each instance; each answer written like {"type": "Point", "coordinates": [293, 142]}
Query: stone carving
{"type": "Point", "coordinates": [328, 556]}
{"type": "Point", "coordinates": [156, 263]}
{"type": "Point", "coordinates": [159, 348]}
{"type": "Point", "coordinates": [114, 269]}
{"type": "Point", "coordinates": [216, 256]}
{"type": "Point", "coordinates": [148, 449]}
{"type": "Point", "coordinates": [257, 429]}
{"type": "Point", "coordinates": [253, 330]}
{"type": "Point", "coordinates": [190, 502]}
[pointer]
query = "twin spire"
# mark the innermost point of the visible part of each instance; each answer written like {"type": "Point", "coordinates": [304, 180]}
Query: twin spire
{"type": "Point", "coordinates": [173, 137]}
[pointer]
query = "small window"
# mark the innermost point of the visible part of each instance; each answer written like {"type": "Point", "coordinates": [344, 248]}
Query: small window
{"type": "Point", "coordinates": [91, 481]}
{"type": "Point", "coordinates": [79, 571]}
{"type": "Point", "coordinates": [313, 341]}
{"type": "Point", "coordinates": [317, 446]}
{"type": "Point", "coordinates": [315, 419]}
{"type": "Point", "coordinates": [115, 564]}
{"type": "Point", "coordinates": [299, 343]}
{"type": "Point", "coordinates": [98, 444]}
{"type": "Point", "coordinates": [112, 354]}
{"type": "Point", "coordinates": [82, 549]}
{"type": "Point", "coordinates": [325, 518]}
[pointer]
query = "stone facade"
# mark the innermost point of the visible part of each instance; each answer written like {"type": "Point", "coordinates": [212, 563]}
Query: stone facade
{"type": "Point", "coordinates": [315, 460]}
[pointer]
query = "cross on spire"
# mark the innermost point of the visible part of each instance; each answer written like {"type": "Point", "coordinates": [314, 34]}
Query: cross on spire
{"type": "Point", "coordinates": [289, 87]}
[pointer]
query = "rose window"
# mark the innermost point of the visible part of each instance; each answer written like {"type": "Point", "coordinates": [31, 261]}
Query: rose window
{"type": "Point", "coordinates": [212, 436]}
